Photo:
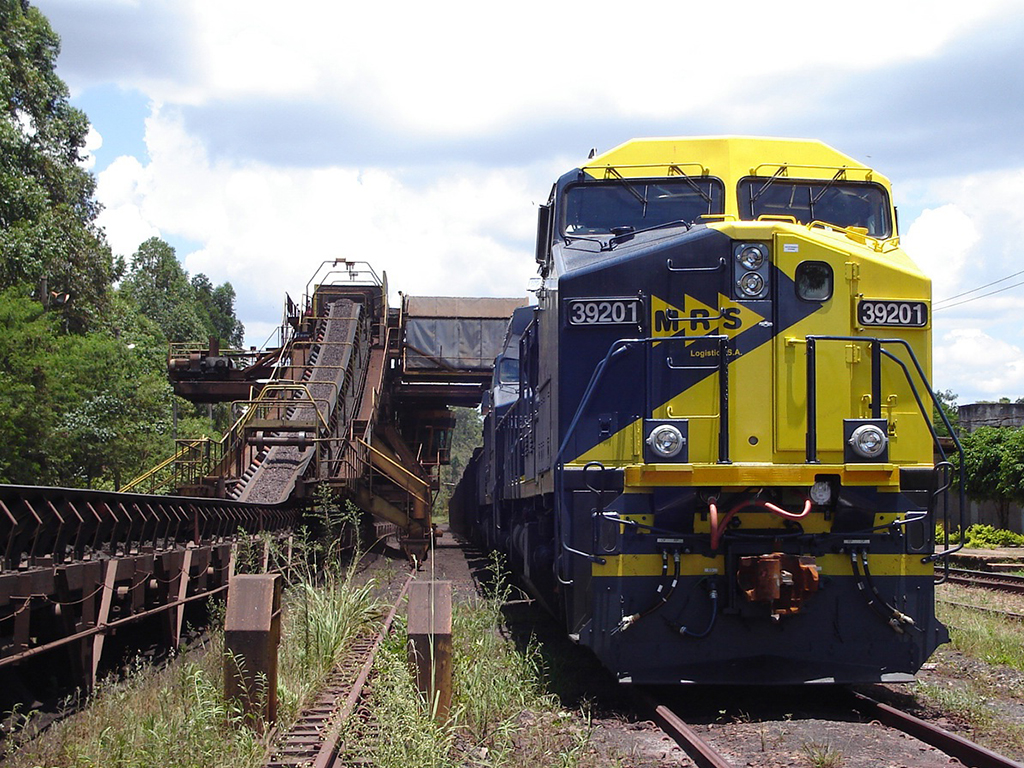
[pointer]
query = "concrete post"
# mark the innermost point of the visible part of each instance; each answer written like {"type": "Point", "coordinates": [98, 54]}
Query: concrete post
{"type": "Point", "coordinates": [430, 642]}
{"type": "Point", "coordinates": [252, 632]}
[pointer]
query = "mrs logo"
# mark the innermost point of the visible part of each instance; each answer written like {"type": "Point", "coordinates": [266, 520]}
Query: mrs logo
{"type": "Point", "coordinates": [695, 318]}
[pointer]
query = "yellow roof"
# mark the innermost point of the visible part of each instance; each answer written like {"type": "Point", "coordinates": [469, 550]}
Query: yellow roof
{"type": "Point", "coordinates": [730, 158]}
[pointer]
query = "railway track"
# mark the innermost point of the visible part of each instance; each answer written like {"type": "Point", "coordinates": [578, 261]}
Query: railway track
{"type": "Point", "coordinates": [1001, 582]}
{"type": "Point", "coordinates": [1010, 615]}
{"type": "Point", "coordinates": [705, 755]}
{"type": "Point", "coordinates": [315, 739]}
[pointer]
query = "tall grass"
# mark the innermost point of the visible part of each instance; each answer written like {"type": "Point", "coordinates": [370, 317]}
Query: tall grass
{"type": "Point", "coordinates": [178, 716]}
{"type": "Point", "coordinates": [175, 716]}
{"type": "Point", "coordinates": [321, 621]}
{"type": "Point", "coordinates": [500, 715]}
{"type": "Point", "coordinates": [984, 636]}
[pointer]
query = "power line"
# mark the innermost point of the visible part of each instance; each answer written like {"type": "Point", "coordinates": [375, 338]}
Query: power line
{"type": "Point", "coordinates": [979, 288]}
{"type": "Point", "coordinates": [975, 298]}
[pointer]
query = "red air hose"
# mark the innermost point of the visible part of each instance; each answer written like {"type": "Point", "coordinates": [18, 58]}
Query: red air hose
{"type": "Point", "coordinates": [717, 529]}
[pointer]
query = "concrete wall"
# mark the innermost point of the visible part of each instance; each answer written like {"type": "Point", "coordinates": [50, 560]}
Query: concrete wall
{"type": "Point", "coordinates": [984, 513]}
{"type": "Point", "coordinates": [990, 415]}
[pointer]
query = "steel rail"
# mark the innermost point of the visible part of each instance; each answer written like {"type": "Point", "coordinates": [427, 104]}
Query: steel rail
{"type": "Point", "coordinates": [983, 609]}
{"type": "Point", "coordinates": [702, 753]}
{"type": "Point", "coordinates": [1001, 582]}
{"type": "Point", "coordinates": [314, 739]}
{"type": "Point", "coordinates": [967, 752]}
{"type": "Point", "coordinates": [1013, 578]}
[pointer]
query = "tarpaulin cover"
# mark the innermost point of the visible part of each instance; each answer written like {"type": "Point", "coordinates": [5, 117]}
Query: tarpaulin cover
{"type": "Point", "coordinates": [455, 333]}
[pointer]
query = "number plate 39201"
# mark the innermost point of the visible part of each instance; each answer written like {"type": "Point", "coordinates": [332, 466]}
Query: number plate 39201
{"type": "Point", "coordinates": [611, 311]}
{"type": "Point", "coordinates": [905, 314]}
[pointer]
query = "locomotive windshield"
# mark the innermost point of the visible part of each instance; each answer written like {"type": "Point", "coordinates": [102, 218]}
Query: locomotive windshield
{"type": "Point", "coordinates": [508, 370]}
{"type": "Point", "coordinates": [843, 203]}
{"type": "Point", "coordinates": [603, 207]}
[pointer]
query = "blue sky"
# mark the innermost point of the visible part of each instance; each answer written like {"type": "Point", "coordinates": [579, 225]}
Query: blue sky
{"type": "Point", "coordinates": [261, 138]}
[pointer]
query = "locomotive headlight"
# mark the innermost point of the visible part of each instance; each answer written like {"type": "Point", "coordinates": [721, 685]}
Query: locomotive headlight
{"type": "Point", "coordinates": [666, 441]}
{"type": "Point", "coordinates": [868, 441]}
{"type": "Point", "coordinates": [751, 257]}
{"type": "Point", "coordinates": [752, 284]}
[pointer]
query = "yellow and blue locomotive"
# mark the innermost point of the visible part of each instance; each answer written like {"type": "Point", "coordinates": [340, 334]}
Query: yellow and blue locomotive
{"type": "Point", "coordinates": [717, 466]}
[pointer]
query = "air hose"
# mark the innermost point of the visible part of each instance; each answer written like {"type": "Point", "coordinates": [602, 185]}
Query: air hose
{"type": "Point", "coordinates": [663, 595]}
{"type": "Point", "coordinates": [892, 616]}
{"type": "Point", "coordinates": [686, 631]}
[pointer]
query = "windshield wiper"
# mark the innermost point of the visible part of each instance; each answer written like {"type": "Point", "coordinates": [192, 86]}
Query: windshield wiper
{"type": "Point", "coordinates": [696, 188]}
{"type": "Point", "coordinates": [570, 239]}
{"type": "Point", "coordinates": [813, 200]}
{"type": "Point", "coordinates": [632, 190]}
{"type": "Point", "coordinates": [626, 236]}
{"type": "Point", "coordinates": [754, 195]}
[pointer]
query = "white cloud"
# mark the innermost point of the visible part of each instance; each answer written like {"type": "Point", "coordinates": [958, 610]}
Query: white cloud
{"type": "Point", "coordinates": [461, 67]}
{"type": "Point", "coordinates": [266, 229]}
{"type": "Point", "coordinates": [940, 240]}
{"type": "Point", "coordinates": [93, 141]}
{"type": "Point", "coordinates": [978, 366]}
{"type": "Point", "coordinates": [118, 188]}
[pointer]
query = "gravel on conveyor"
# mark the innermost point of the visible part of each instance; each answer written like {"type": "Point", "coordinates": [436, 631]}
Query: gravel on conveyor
{"type": "Point", "coordinates": [340, 367]}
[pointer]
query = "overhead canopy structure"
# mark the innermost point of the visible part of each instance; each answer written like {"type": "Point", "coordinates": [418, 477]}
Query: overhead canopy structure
{"type": "Point", "coordinates": [378, 380]}
{"type": "Point", "coordinates": [450, 345]}
{"type": "Point", "coordinates": [455, 334]}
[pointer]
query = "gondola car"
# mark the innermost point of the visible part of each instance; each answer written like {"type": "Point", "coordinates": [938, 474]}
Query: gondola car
{"type": "Point", "coordinates": [717, 466]}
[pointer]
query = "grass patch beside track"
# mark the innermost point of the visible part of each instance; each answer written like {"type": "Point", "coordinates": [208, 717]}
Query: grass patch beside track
{"type": "Point", "coordinates": [501, 714]}
{"type": "Point", "coordinates": [173, 716]}
{"type": "Point", "coordinates": [979, 677]}
{"type": "Point", "coordinates": [177, 716]}
{"type": "Point", "coordinates": [984, 636]}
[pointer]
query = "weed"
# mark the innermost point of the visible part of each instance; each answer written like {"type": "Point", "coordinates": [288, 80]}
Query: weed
{"type": "Point", "coordinates": [500, 714]}
{"type": "Point", "coordinates": [979, 536]}
{"type": "Point", "coordinates": [822, 754]}
{"type": "Point", "coordinates": [984, 636]}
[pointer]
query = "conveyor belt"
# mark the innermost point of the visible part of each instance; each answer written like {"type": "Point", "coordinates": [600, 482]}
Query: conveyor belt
{"type": "Point", "coordinates": [339, 368]}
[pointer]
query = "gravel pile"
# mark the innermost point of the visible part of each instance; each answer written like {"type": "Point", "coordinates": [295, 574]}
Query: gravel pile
{"type": "Point", "coordinates": [275, 478]}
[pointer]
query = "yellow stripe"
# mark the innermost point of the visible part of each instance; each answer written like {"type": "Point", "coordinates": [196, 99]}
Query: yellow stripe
{"type": "Point", "coordinates": [650, 565]}
{"type": "Point", "coordinates": [754, 520]}
{"type": "Point", "coordinates": [743, 475]}
{"type": "Point", "coordinates": [696, 565]}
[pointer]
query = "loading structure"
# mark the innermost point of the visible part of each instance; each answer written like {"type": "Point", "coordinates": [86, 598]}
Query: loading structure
{"type": "Point", "coordinates": [353, 394]}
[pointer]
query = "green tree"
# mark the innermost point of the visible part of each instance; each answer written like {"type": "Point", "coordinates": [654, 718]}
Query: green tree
{"type": "Point", "coordinates": [28, 341]}
{"type": "Point", "coordinates": [159, 286]}
{"type": "Point", "coordinates": [994, 467]}
{"type": "Point", "coordinates": [115, 412]}
{"type": "Point", "coordinates": [76, 410]}
{"type": "Point", "coordinates": [947, 402]}
{"type": "Point", "coordinates": [218, 304]}
{"type": "Point", "coordinates": [1011, 479]}
{"type": "Point", "coordinates": [48, 236]}
{"type": "Point", "coordinates": [465, 438]}
{"type": "Point", "coordinates": [84, 398]}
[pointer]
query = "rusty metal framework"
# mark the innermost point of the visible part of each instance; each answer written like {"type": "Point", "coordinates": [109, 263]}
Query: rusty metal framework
{"type": "Point", "coordinates": [79, 564]}
{"type": "Point", "coordinates": [355, 398]}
